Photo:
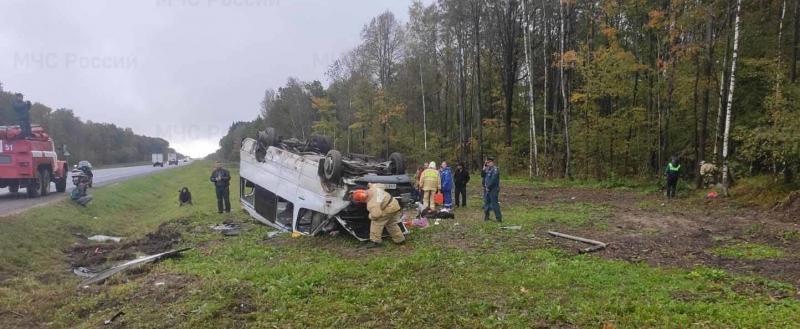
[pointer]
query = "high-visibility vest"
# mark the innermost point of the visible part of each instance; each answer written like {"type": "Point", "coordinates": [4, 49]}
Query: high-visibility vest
{"type": "Point", "coordinates": [672, 168]}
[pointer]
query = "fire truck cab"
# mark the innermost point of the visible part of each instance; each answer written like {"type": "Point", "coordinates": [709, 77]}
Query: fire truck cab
{"type": "Point", "coordinates": [30, 162]}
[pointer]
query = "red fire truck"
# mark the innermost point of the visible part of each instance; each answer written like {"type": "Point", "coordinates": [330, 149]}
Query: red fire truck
{"type": "Point", "coordinates": [30, 162]}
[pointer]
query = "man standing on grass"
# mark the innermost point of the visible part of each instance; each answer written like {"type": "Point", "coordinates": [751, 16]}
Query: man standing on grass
{"type": "Point", "coordinates": [447, 185]}
{"type": "Point", "coordinates": [461, 178]}
{"type": "Point", "coordinates": [491, 190]}
{"type": "Point", "coordinates": [221, 179]}
{"type": "Point", "coordinates": [430, 184]}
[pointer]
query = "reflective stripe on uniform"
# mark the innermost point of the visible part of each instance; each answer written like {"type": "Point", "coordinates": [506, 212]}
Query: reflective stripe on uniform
{"type": "Point", "coordinates": [670, 167]}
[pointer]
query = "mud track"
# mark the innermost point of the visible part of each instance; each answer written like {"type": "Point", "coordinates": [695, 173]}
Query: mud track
{"type": "Point", "coordinates": [647, 228]}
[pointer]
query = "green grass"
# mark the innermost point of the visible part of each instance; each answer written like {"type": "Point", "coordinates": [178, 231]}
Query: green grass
{"type": "Point", "coordinates": [570, 214]}
{"type": "Point", "coordinates": [641, 185]}
{"type": "Point", "coordinates": [33, 240]}
{"type": "Point", "coordinates": [749, 251]}
{"type": "Point", "coordinates": [762, 191]}
{"type": "Point", "coordinates": [469, 275]}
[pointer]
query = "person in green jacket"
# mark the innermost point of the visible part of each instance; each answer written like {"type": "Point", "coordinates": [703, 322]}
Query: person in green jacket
{"type": "Point", "coordinates": [672, 173]}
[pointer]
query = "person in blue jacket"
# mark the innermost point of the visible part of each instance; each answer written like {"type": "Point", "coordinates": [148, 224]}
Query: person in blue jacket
{"type": "Point", "coordinates": [491, 190]}
{"type": "Point", "coordinates": [447, 185]}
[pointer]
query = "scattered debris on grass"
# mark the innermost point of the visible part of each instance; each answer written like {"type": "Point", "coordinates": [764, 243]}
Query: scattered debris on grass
{"type": "Point", "coordinates": [100, 277]}
{"type": "Point", "coordinates": [83, 272]}
{"type": "Point", "coordinates": [222, 227]}
{"type": "Point", "coordinates": [513, 227]}
{"type": "Point", "coordinates": [273, 234]}
{"type": "Point", "coordinates": [90, 258]}
{"type": "Point", "coordinates": [105, 238]}
{"type": "Point", "coordinates": [421, 222]}
{"type": "Point", "coordinates": [228, 228]}
{"type": "Point", "coordinates": [596, 245]}
{"type": "Point", "coordinates": [111, 320]}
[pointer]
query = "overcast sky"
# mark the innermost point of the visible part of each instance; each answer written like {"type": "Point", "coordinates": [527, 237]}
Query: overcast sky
{"type": "Point", "coordinates": [183, 70]}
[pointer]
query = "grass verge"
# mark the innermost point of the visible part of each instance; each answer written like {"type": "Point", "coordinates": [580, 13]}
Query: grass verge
{"type": "Point", "coordinates": [748, 250]}
{"type": "Point", "coordinates": [462, 273]}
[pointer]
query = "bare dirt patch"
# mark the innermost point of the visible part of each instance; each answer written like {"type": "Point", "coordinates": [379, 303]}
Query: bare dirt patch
{"type": "Point", "coordinates": [790, 207]}
{"type": "Point", "coordinates": [95, 256]}
{"type": "Point", "coordinates": [646, 228]}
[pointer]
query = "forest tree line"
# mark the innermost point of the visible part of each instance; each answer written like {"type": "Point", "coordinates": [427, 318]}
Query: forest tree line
{"type": "Point", "coordinates": [99, 143]}
{"type": "Point", "coordinates": [591, 89]}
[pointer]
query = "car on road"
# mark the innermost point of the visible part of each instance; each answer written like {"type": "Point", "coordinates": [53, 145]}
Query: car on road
{"type": "Point", "coordinates": [307, 187]}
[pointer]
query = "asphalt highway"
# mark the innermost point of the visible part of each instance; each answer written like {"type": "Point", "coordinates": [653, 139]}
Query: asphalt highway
{"type": "Point", "coordinates": [12, 203]}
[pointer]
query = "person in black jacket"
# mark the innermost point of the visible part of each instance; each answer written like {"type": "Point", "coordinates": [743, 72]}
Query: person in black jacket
{"type": "Point", "coordinates": [221, 179]}
{"type": "Point", "coordinates": [23, 110]}
{"type": "Point", "coordinates": [461, 178]}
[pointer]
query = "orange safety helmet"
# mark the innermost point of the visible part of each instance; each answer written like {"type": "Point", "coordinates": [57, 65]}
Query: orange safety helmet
{"type": "Point", "coordinates": [360, 196]}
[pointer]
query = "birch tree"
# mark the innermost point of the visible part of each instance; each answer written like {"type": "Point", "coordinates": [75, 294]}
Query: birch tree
{"type": "Point", "coordinates": [545, 37]}
{"type": "Point", "coordinates": [533, 150]}
{"type": "Point", "coordinates": [565, 100]}
{"type": "Point", "coordinates": [728, 112]}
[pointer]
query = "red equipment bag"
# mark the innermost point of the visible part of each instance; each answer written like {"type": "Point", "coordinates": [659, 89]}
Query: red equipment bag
{"type": "Point", "coordinates": [438, 198]}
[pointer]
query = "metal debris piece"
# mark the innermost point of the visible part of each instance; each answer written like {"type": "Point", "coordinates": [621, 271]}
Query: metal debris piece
{"type": "Point", "coordinates": [83, 272]}
{"type": "Point", "coordinates": [223, 227]}
{"type": "Point", "coordinates": [104, 238]}
{"type": "Point", "coordinates": [596, 245]}
{"type": "Point", "coordinates": [227, 229]}
{"type": "Point", "coordinates": [109, 321]}
{"type": "Point", "coordinates": [101, 276]}
{"type": "Point", "coordinates": [514, 227]}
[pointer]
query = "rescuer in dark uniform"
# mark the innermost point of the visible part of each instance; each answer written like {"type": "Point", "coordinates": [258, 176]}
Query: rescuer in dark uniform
{"type": "Point", "coordinates": [221, 179]}
{"type": "Point", "coordinates": [23, 110]}
{"type": "Point", "coordinates": [672, 172]}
